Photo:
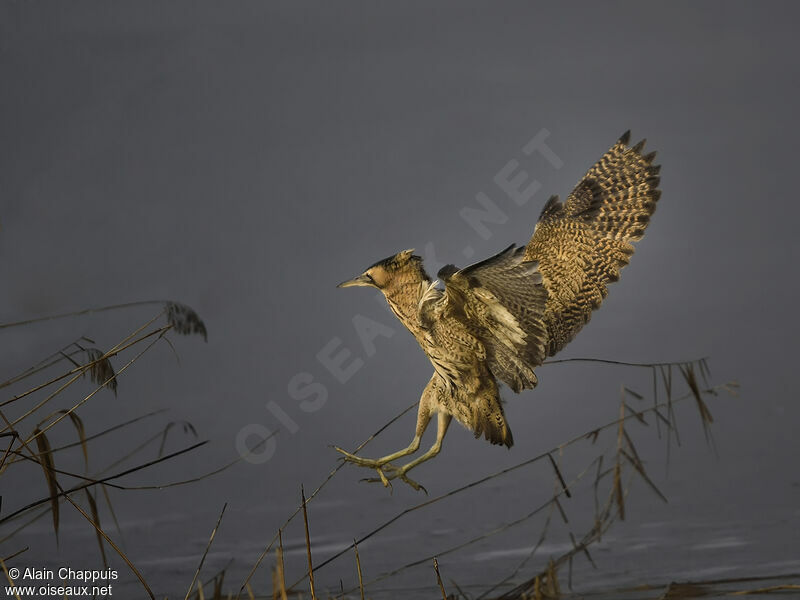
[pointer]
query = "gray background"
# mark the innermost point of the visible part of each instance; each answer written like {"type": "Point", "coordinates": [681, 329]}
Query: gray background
{"type": "Point", "coordinates": [245, 157]}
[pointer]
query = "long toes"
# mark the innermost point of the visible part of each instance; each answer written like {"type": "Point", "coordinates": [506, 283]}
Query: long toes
{"type": "Point", "coordinates": [345, 453]}
{"type": "Point", "coordinates": [352, 458]}
{"type": "Point", "coordinates": [418, 487]}
{"type": "Point", "coordinates": [386, 483]}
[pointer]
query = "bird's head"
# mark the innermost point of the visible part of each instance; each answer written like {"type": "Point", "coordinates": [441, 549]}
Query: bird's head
{"type": "Point", "coordinates": [403, 267]}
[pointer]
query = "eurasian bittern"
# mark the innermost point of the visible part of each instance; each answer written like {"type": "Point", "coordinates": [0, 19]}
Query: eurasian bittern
{"type": "Point", "coordinates": [498, 319]}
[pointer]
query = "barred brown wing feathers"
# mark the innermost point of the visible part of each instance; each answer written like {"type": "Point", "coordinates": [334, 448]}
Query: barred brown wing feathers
{"type": "Point", "coordinates": [581, 245]}
{"type": "Point", "coordinates": [502, 300]}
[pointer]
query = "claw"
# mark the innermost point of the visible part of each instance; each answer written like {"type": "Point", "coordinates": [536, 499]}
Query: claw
{"type": "Point", "coordinates": [418, 487]}
{"type": "Point", "coordinates": [386, 471]}
{"type": "Point", "coordinates": [392, 472]}
{"type": "Point", "coordinates": [364, 462]}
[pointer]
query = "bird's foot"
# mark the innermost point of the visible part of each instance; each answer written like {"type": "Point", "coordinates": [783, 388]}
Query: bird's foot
{"type": "Point", "coordinates": [361, 462]}
{"type": "Point", "coordinates": [388, 472]}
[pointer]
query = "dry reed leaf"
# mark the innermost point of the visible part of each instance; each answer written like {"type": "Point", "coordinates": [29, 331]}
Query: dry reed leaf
{"type": "Point", "coordinates": [100, 370]}
{"type": "Point", "coordinates": [582, 548]}
{"type": "Point", "coordinates": [218, 585]}
{"type": "Point", "coordinates": [617, 485]}
{"type": "Point", "coordinates": [104, 489]}
{"type": "Point", "coordinates": [96, 517]}
{"type": "Point", "coordinates": [560, 510]}
{"type": "Point", "coordinates": [688, 373]}
{"type": "Point", "coordinates": [633, 393]}
{"type": "Point", "coordinates": [78, 423]}
{"type": "Point", "coordinates": [184, 320]}
{"type": "Point", "coordinates": [12, 435]}
{"type": "Point", "coordinates": [639, 416]}
{"type": "Point", "coordinates": [732, 387]}
{"type": "Point", "coordinates": [618, 493]}
{"type": "Point", "coordinates": [187, 428]}
{"type": "Point", "coordinates": [560, 477]}
{"type": "Point", "coordinates": [45, 459]}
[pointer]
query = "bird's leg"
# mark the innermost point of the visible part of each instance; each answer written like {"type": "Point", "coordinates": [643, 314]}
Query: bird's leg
{"type": "Point", "coordinates": [423, 418]}
{"type": "Point", "coordinates": [400, 472]}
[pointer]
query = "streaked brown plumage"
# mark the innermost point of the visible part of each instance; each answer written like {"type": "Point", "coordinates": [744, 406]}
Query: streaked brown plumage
{"type": "Point", "coordinates": [498, 320]}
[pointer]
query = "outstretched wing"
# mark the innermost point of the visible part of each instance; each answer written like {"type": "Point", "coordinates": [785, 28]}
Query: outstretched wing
{"type": "Point", "coordinates": [581, 245]}
{"type": "Point", "coordinates": [501, 300]}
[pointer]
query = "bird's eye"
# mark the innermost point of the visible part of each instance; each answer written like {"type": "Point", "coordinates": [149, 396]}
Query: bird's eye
{"type": "Point", "coordinates": [370, 278]}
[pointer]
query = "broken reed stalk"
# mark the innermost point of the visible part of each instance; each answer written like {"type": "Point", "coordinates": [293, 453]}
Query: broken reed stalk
{"type": "Point", "coordinates": [8, 577]}
{"type": "Point", "coordinates": [205, 552]}
{"type": "Point", "coordinates": [308, 545]}
{"type": "Point", "coordinates": [280, 570]}
{"type": "Point", "coordinates": [358, 567]}
{"type": "Point", "coordinates": [439, 578]}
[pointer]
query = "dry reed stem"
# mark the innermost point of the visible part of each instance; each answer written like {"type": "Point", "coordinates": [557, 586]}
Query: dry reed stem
{"type": "Point", "coordinates": [767, 590]}
{"type": "Point", "coordinates": [308, 545]}
{"type": "Point", "coordinates": [79, 371]}
{"type": "Point", "coordinates": [100, 371]}
{"type": "Point", "coordinates": [330, 476]}
{"type": "Point", "coordinates": [280, 570]}
{"type": "Point", "coordinates": [86, 311]}
{"type": "Point", "coordinates": [112, 429]}
{"type": "Point", "coordinates": [15, 554]}
{"type": "Point", "coordinates": [104, 480]}
{"type": "Point", "coordinates": [100, 387]}
{"type": "Point", "coordinates": [617, 494]}
{"type": "Point", "coordinates": [111, 543]}
{"type": "Point", "coordinates": [358, 567]}
{"type": "Point", "coordinates": [475, 483]}
{"type": "Point", "coordinates": [205, 553]}
{"type": "Point", "coordinates": [10, 581]}
{"type": "Point", "coordinates": [551, 502]}
{"type": "Point", "coordinates": [439, 578]}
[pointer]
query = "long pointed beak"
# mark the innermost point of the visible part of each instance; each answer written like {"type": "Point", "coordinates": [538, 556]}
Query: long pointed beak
{"type": "Point", "coordinates": [361, 280]}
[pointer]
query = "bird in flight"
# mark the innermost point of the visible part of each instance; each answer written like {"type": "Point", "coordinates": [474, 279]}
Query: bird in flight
{"type": "Point", "coordinates": [497, 320]}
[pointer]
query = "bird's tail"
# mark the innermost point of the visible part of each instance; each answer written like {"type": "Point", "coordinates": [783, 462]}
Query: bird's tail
{"type": "Point", "coordinates": [489, 420]}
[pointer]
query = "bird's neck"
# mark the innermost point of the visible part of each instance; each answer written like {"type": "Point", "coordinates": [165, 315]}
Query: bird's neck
{"type": "Point", "coordinates": [403, 296]}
